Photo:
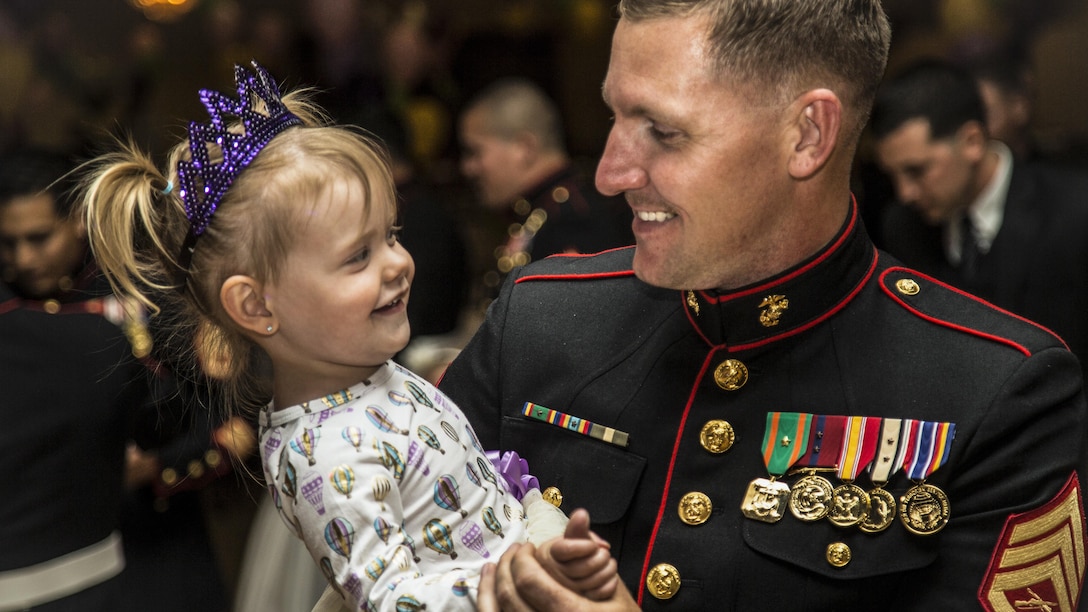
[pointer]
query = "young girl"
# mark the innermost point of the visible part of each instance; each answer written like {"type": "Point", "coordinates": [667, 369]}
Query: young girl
{"type": "Point", "coordinates": [274, 235]}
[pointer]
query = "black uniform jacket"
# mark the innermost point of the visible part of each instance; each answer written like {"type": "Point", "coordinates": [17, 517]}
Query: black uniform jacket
{"type": "Point", "coordinates": [1037, 265]}
{"type": "Point", "coordinates": [861, 336]}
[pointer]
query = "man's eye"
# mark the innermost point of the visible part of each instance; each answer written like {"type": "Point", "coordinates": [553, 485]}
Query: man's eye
{"type": "Point", "coordinates": [663, 135]}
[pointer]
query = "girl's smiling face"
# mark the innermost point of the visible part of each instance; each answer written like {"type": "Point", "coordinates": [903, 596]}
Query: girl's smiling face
{"type": "Point", "coordinates": [340, 300]}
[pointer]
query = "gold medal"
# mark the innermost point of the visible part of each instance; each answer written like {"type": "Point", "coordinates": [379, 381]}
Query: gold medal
{"type": "Point", "coordinates": [849, 506]}
{"type": "Point", "coordinates": [881, 511]}
{"type": "Point", "coordinates": [810, 498]}
{"type": "Point", "coordinates": [924, 509]}
{"type": "Point", "coordinates": [765, 500]}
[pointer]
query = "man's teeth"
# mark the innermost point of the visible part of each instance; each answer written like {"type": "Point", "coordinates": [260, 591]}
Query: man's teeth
{"type": "Point", "coordinates": [658, 216]}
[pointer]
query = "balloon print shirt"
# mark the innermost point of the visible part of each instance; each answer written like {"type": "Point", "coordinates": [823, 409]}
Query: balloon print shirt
{"type": "Point", "coordinates": [388, 487]}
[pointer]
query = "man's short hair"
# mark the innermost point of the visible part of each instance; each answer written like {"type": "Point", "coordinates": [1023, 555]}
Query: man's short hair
{"type": "Point", "coordinates": [936, 91]}
{"type": "Point", "coordinates": [791, 45]}
{"type": "Point", "coordinates": [33, 172]}
{"type": "Point", "coordinates": [515, 105]}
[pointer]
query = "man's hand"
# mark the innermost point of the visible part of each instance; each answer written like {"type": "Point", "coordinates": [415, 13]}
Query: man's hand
{"type": "Point", "coordinates": [520, 583]}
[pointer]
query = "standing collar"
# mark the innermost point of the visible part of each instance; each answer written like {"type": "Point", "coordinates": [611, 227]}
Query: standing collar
{"type": "Point", "coordinates": [790, 302]}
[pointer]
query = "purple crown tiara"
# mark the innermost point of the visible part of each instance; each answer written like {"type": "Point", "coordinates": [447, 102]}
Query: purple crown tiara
{"type": "Point", "coordinates": [202, 183]}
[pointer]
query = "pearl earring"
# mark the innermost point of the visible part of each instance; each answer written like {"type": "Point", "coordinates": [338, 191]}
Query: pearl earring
{"type": "Point", "coordinates": [269, 329]}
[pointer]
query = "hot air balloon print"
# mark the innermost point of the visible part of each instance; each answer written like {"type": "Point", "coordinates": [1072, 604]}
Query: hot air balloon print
{"type": "Point", "coordinates": [339, 535]}
{"type": "Point", "coordinates": [418, 395]}
{"type": "Point", "coordinates": [451, 431]}
{"type": "Point", "coordinates": [427, 435]}
{"type": "Point", "coordinates": [383, 529]}
{"type": "Point", "coordinates": [460, 587]}
{"type": "Point", "coordinates": [290, 481]}
{"type": "Point", "coordinates": [436, 535]}
{"type": "Point", "coordinates": [330, 574]}
{"type": "Point", "coordinates": [343, 479]}
{"type": "Point", "coordinates": [409, 542]}
{"type": "Point", "coordinates": [400, 399]}
{"type": "Point", "coordinates": [408, 603]}
{"type": "Point", "coordinates": [491, 521]}
{"type": "Point", "coordinates": [313, 491]}
{"type": "Point", "coordinates": [485, 471]}
{"type": "Point", "coordinates": [271, 443]}
{"type": "Point", "coordinates": [473, 439]}
{"type": "Point", "coordinates": [415, 458]}
{"type": "Point", "coordinates": [354, 436]}
{"type": "Point", "coordinates": [304, 444]}
{"type": "Point", "coordinates": [390, 458]}
{"type": "Point", "coordinates": [473, 475]}
{"type": "Point", "coordinates": [382, 421]}
{"type": "Point", "coordinates": [375, 568]}
{"type": "Point", "coordinates": [447, 494]}
{"type": "Point", "coordinates": [381, 487]}
{"type": "Point", "coordinates": [473, 537]}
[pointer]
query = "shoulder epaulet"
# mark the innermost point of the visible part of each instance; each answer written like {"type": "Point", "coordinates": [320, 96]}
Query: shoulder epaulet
{"type": "Point", "coordinates": [947, 306]}
{"type": "Point", "coordinates": [614, 263]}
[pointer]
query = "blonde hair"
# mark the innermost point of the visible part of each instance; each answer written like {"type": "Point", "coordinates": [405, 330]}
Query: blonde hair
{"type": "Point", "coordinates": [136, 228]}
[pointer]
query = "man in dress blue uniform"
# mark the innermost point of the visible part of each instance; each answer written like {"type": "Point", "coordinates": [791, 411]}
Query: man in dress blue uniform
{"type": "Point", "coordinates": [76, 389]}
{"type": "Point", "coordinates": [758, 408]}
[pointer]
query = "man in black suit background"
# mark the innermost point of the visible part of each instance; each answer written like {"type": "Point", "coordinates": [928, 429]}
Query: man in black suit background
{"type": "Point", "coordinates": [972, 215]}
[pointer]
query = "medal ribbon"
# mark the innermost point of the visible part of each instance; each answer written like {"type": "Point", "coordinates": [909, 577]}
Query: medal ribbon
{"type": "Point", "coordinates": [894, 434]}
{"type": "Point", "coordinates": [824, 442]}
{"type": "Point", "coordinates": [859, 444]}
{"type": "Point", "coordinates": [785, 440]}
{"type": "Point", "coordinates": [930, 444]}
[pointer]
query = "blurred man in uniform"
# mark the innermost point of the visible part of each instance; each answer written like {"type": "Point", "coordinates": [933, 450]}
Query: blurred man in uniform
{"type": "Point", "coordinates": [80, 396]}
{"type": "Point", "coordinates": [514, 153]}
{"type": "Point", "coordinates": [975, 215]}
{"type": "Point", "coordinates": [754, 303]}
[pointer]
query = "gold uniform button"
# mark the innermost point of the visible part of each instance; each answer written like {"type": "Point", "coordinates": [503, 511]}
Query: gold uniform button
{"type": "Point", "coordinates": [212, 458]}
{"type": "Point", "coordinates": [695, 508]}
{"type": "Point", "coordinates": [663, 581]}
{"type": "Point", "coordinates": [560, 195]}
{"type": "Point", "coordinates": [51, 306]}
{"type": "Point", "coordinates": [731, 374]}
{"type": "Point", "coordinates": [907, 286]}
{"type": "Point", "coordinates": [717, 436]}
{"type": "Point", "coordinates": [838, 554]}
{"type": "Point", "coordinates": [553, 496]}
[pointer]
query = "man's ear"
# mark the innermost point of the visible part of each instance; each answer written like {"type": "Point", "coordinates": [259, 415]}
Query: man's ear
{"type": "Point", "coordinates": [243, 299]}
{"type": "Point", "coordinates": [526, 147]}
{"type": "Point", "coordinates": [817, 121]}
{"type": "Point", "coordinates": [972, 140]}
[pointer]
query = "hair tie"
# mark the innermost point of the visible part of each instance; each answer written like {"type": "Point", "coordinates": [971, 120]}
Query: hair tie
{"type": "Point", "coordinates": [169, 187]}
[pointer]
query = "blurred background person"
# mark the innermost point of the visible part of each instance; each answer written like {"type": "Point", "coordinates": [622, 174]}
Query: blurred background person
{"type": "Point", "coordinates": [95, 521]}
{"type": "Point", "coordinates": [972, 214]}
{"type": "Point", "coordinates": [514, 154]}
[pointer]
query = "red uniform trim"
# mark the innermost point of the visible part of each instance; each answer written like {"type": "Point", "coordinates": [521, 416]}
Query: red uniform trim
{"type": "Point", "coordinates": [967, 330]}
{"type": "Point", "coordinates": [668, 479]}
{"type": "Point", "coordinates": [592, 275]}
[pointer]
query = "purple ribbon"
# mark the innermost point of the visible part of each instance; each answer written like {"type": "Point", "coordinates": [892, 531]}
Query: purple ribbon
{"type": "Point", "coordinates": [514, 472]}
